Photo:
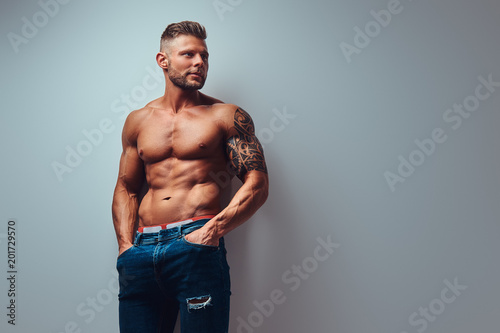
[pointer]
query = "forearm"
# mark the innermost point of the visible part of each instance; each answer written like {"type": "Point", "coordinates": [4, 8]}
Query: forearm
{"type": "Point", "coordinates": [124, 210]}
{"type": "Point", "coordinates": [247, 200]}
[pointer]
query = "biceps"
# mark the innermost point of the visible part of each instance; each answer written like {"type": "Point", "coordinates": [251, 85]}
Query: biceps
{"type": "Point", "coordinates": [131, 173]}
{"type": "Point", "coordinates": [245, 153]}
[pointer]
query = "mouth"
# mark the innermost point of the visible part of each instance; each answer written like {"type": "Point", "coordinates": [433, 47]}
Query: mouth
{"type": "Point", "coordinates": [196, 74]}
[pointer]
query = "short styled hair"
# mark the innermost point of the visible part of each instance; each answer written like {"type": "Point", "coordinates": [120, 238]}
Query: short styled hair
{"type": "Point", "coordinates": [181, 28]}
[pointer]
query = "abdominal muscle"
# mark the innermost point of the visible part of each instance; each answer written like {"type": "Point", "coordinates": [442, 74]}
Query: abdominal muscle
{"type": "Point", "coordinates": [179, 190]}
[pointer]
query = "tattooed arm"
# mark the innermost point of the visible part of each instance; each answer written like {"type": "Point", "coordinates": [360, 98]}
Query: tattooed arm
{"type": "Point", "coordinates": [246, 157]}
{"type": "Point", "coordinates": [243, 148]}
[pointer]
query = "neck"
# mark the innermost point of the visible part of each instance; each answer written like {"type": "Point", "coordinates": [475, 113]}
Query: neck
{"type": "Point", "coordinates": [177, 99]}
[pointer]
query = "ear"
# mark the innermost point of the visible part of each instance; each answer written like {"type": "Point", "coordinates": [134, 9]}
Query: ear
{"type": "Point", "coordinates": [162, 60]}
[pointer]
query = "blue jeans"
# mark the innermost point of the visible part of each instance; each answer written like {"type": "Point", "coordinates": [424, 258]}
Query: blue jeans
{"type": "Point", "coordinates": [163, 274]}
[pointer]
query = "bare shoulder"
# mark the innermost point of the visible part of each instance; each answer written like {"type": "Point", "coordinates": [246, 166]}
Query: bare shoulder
{"type": "Point", "coordinates": [230, 112]}
{"type": "Point", "coordinates": [234, 120]}
{"type": "Point", "coordinates": [132, 124]}
{"type": "Point", "coordinates": [229, 115]}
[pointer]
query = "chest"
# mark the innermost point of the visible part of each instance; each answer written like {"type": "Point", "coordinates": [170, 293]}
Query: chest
{"type": "Point", "coordinates": [184, 136]}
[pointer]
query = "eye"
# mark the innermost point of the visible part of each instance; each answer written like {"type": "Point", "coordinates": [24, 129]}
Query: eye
{"type": "Point", "coordinates": [188, 54]}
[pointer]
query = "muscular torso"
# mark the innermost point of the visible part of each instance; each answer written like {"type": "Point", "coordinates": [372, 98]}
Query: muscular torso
{"type": "Point", "coordinates": [182, 154]}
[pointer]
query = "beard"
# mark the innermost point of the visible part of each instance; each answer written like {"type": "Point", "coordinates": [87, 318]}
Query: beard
{"type": "Point", "coordinates": [181, 80]}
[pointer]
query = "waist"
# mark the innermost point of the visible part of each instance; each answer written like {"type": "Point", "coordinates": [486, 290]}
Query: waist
{"type": "Point", "coordinates": [171, 225]}
{"type": "Point", "coordinates": [169, 231]}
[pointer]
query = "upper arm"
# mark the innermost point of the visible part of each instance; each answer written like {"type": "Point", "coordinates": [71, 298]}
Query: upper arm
{"type": "Point", "coordinates": [131, 170]}
{"type": "Point", "coordinates": [243, 149]}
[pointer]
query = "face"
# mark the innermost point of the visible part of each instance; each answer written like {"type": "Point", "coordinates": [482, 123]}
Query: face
{"type": "Point", "coordinates": [187, 59]}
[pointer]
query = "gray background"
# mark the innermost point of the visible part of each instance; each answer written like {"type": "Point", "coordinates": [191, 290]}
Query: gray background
{"type": "Point", "coordinates": [350, 118]}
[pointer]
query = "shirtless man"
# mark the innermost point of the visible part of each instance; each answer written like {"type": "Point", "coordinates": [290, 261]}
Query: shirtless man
{"type": "Point", "coordinates": [171, 247]}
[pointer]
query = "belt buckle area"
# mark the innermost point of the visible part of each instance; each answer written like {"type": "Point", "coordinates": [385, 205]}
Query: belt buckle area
{"type": "Point", "coordinates": [148, 230]}
{"type": "Point", "coordinates": [177, 224]}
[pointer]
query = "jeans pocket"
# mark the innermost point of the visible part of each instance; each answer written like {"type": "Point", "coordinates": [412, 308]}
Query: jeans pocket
{"type": "Point", "coordinates": [197, 245]}
{"type": "Point", "coordinates": [125, 252]}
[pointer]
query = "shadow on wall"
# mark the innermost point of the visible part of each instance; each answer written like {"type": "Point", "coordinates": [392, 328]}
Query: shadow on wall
{"type": "Point", "coordinates": [253, 275]}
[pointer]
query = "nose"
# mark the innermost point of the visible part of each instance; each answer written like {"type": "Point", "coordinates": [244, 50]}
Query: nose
{"type": "Point", "coordinates": [198, 61]}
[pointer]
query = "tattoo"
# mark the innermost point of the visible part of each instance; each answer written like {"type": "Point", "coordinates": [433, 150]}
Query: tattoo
{"type": "Point", "coordinates": [244, 150]}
